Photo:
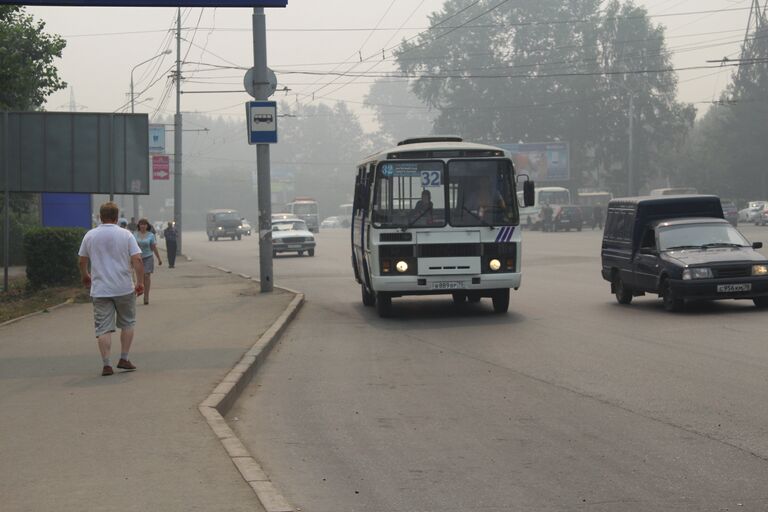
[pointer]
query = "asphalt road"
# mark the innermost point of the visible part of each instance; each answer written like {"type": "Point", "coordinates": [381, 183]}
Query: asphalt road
{"type": "Point", "coordinates": [568, 402]}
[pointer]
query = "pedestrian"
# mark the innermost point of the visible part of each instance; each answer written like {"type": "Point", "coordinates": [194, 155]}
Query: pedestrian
{"type": "Point", "coordinates": [111, 252]}
{"type": "Point", "coordinates": [148, 245]}
{"type": "Point", "coordinates": [597, 216]}
{"type": "Point", "coordinates": [547, 212]}
{"type": "Point", "coordinates": [132, 225]}
{"type": "Point", "coordinates": [170, 236]}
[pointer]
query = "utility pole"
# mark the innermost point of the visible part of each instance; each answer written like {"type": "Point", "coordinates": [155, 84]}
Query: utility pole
{"type": "Point", "coordinates": [261, 87]}
{"type": "Point", "coordinates": [631, 166]}
{"type": "Point", "coordinates": [177, 140]}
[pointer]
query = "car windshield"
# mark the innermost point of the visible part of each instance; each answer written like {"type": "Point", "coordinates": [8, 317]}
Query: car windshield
{"type": "Point", "coordinates": [700, 235]}
{"type": "Point", "coordinates": [296, 225]}
{"type": "Point", "coordinates": [228, 216]}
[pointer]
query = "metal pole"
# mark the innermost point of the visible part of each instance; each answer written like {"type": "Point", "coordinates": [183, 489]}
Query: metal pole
{"type": "Point", "coordinates": [112, 157]}
{"type": "Point", "coordinates": [261, 87]}
{"type": "Point", "coordinates": [6, 206]}
{"type": "Point", "coordinates": [630, 166]}
{"type": "Point", "coordinates": [177, 141]}
{"type": "Point", "coordinates": [135, 197]}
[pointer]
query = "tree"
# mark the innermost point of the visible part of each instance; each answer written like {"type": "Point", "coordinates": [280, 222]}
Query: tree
{"type": "Point", "coordinates": [538, 70]}
{"type": "Point", "coordinates": [399, 112]}
{"type": "Point", "coordinates": [28, 75]}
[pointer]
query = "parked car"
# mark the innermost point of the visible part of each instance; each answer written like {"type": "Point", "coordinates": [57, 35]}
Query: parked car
{"type": "Point", "coordinates": [762, 219]}
{"type": "Point", "coordinates": [752, 210]}
{"type": "Point", "coordinates": [331, 222]}
{"type": "Point", "coordinates": [567, 217]}
{"type": "Point", "coordinates": [245, 227]}
{"type": "Point", "coordinates": [730, 212]}
{"type": "Point", "coordinates": [682, 249]}
{"type": "Point", "coordinates": [292, 235]}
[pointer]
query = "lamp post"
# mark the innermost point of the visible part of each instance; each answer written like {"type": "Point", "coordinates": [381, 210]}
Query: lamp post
{"type": "Point", "coordinates": [166, 52]}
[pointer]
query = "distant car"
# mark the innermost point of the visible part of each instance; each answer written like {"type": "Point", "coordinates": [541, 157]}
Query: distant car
{"type": "Point", "coordinates": [762, 219]}
{"type": "Point", "coordinates": [331, 222]}
{"type": "Point", "coordinates": [292, 235]}
{"type": "Point", "coordinates": [567, 217]}
{"type": "Point", "coordinates": [750, 213]}
{"type": "Point", "coordinates": [283, 216]}
{"type": "Point", "coordinates": [245, 227]}
{"type": "Point", "coordinates": [730, 212]}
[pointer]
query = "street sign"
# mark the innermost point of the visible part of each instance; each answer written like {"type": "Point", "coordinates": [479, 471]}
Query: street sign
{"type": "Point", "coordinates": [154, 3]}
{"type": "Point", "coordinates": [161, 167]}
{"type": "Point", "coordinates": [248, 83]}
{"type": "Point", "coordinates": [262, 122]}
{"type": "Point", "coordinates": [157, 138]}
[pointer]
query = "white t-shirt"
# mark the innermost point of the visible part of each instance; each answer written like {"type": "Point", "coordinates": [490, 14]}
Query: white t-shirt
{"type": "Point", "coordinates": [110, 248]}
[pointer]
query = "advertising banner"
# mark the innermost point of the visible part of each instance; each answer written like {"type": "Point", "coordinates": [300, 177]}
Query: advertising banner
{"type": "Point", "coordinates": [161, 168]}
{"type": "Point", "coordinates": [544, 161]}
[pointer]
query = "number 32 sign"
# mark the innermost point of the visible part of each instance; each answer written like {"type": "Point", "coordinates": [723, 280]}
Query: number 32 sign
{"type": "Point", "coordinates": [431, 178]}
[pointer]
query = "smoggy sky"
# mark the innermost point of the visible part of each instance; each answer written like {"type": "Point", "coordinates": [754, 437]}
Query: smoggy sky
{"type": "Point", "coordinates": [320, 35]}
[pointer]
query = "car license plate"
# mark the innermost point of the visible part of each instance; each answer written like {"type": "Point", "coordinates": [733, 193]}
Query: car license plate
{"type": "Point", "coordinates": [725, 288]}
{"type": "Point", "coordinates": [294, 247]}
{"type": "Point", "coordinates": [448, 285]}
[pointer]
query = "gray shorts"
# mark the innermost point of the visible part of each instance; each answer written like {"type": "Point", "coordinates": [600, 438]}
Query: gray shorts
{"type": "Point", "coordinates": [108, 309]}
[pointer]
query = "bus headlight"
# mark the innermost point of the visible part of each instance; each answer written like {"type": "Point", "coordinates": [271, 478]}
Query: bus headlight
{"type": "Point", "coordinates": [760, 270]}
{"type": "Point", "coordinates": [401, 266]}
{"type": "Point", "coordinates": [494, 264]}
{"type": "Point", "coordinates": [697, 273]}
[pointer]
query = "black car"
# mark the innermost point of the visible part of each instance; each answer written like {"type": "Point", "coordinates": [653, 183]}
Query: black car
{"type": "Point", "coordinates": [681, 248]}
{"type": "Point", "coordinates": [567, 217]}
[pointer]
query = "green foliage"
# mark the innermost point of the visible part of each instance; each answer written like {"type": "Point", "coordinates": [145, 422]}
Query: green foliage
{"type": "Point", "coordinates": [506, 76]}
{"type": "Point", "coordinates": [26, 59]}
{"type": "Point", "coordinates": [399, 112]}
{"type": "Point", "coordinates": [51, 255]}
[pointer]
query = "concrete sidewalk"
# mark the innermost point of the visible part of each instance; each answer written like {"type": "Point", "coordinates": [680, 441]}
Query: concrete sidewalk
{"type": "Point", "coordinates": [71, 440]}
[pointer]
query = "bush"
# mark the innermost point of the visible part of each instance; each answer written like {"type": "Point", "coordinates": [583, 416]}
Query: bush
{"type": "Point", "coordinates": [51, 255]}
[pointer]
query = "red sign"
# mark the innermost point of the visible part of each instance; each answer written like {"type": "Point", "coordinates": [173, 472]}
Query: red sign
{"type": "Point", "coordinates": [161, 168]}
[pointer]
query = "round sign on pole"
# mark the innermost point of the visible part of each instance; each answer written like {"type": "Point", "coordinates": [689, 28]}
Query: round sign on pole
{"type": "Point", "coordinates": [248, 83]}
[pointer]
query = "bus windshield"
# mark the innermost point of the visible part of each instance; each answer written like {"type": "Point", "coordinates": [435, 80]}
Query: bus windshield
{"type": "Point", "coordinates": [481, 193]}
{"type": "Point", "coordinates": [305, 208]}
{"type": "Point", "coordinates": [409, 194]}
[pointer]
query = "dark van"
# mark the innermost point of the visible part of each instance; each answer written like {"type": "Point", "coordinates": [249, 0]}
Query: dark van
{"type": "Point", "coordinates": [223, 224]}
{"type": "Point", "coordinates": [681, 248]}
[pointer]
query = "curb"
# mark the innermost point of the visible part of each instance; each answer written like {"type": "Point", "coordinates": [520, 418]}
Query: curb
{"type": "Point", "coordinates": [224, 396]}
{"type": "Point", "coordinates": [35, 313]}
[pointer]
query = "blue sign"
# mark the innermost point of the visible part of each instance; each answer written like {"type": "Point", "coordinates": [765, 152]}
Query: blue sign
{"type": "Point", "coordinates": [153, 3]}
{"type": "Point", "coordinates": [262, 122]}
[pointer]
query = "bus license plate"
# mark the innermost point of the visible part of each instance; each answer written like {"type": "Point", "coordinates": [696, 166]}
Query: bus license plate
{"type": "Point", "coordinates": [448, 285]}
{"type": "Point", "coordinates": [725, 288]}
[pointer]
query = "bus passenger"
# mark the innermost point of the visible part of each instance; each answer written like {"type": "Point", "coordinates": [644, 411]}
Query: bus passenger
{"type": "Point", "coordinates": [423, 205]}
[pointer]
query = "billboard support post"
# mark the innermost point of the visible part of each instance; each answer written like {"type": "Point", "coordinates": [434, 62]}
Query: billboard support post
{"type": "Point", "coordinates": [6, 206]}
{"type": "Point", "coordinates": [261, 88]}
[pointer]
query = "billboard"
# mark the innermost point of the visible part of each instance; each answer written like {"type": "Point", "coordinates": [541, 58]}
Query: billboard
{"type": "Point", "coordinates": [75, 152]}
{"type": "Point", "coordinates": [542, 161]}
{"type": "Point", "coordinates": [153, 3]}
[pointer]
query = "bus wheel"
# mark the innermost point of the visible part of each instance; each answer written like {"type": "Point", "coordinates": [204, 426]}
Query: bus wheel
{"type": "Point", "coordinates": [501, 300]}
{"type": "Point", "coordinates": [369, 299]}
{"type": "Point", "coordinates": [459, 297]}
{"type": "Point", "coordinates": [383, 304]}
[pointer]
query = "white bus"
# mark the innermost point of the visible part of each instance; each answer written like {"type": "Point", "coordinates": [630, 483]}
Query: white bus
{"type": "Point", "coordinates": [530, 216]}
{"type": "Point", "coordinates": [437, 215]}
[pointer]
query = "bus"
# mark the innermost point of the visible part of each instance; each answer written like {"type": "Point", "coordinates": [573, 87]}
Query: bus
{"type": "Point", "coordinates": [437, 215]}
{"type": "Point", "coordinates": [346, 214]}
{"type": "Point", "coordinates": [307, 210]}
{"type": "Point", "coordinates": [531, 215]}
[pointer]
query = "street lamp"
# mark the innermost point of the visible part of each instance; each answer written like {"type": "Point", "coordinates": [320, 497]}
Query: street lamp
{"type": "Point", "coordinates": [166, 52]}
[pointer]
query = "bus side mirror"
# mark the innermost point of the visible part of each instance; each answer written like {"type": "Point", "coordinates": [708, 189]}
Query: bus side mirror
{"type": "Point", "coordinates": [757, 245]}
{"type": "Point", "coordinates": [529, 193]}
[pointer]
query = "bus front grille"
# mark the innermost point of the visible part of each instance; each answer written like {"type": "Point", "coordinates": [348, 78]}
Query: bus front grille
{"type": "Point", "coordinates": [447, 250]}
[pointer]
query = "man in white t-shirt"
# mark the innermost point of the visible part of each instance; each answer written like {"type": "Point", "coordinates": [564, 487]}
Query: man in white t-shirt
{"type": "Point", "coordinates": [112, 252]}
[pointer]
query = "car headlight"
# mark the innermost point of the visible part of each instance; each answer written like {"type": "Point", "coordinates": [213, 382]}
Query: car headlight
{"type": "Point", "coordinates": [760, 270]}
{"type": "Point", "coordinates": [401, 266]}
{"type": "Point", "coordinates": [697, 273]}
{"type": "Point", "coordinates": [494, 264]}
{"type": "Point", "coordinates": [240, 227]}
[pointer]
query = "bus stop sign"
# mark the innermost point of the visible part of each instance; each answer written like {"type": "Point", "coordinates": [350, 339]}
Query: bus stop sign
{"type": "Point", "coordinates": [262, 122]}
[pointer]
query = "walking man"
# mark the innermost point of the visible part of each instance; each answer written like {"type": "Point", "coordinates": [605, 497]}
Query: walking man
{"type": "Point", "coordinates": [170, 243]}
{"type": "Point", "coordinates": [112, 252]}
